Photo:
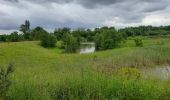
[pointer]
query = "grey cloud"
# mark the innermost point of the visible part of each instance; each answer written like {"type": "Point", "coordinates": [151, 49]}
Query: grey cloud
{"type": "Point", "coordinates": [152, 7]}
{"type": "Point", "coordinates": [11, 0]}
{"type": "Point", "coordinates": [3, 14]}
{"type": "Point", "coordinates": [76, 13]}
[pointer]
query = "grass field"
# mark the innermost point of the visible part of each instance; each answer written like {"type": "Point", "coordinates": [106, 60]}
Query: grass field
{"type": "Point", "coordinates": [45, 74]}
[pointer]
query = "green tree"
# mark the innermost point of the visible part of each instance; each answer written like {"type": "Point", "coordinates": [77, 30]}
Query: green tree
{"type": "Point", "coordinates": [48, 41]}
{"type": "Point", "coordinates": [61, 32]}
{"type": "Point", "coordinates": [71, 44]}
{"type": "Point", "coordinates": [38, 33]}
{"type": "Point", "coordinates": [25, 28]}
{"type": "Point", "coordinates": [3, 38]}
{"type": "Point", "coordinates": [107, 38]}
{"type": "Point", "coordinates": [14, 37]}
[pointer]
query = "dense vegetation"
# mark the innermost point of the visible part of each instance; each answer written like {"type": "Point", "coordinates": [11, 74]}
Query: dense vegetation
{"type": "Point", "coordinates": [107, 38]}
{"type": "Point", "coordinates": [48, 41]}
{"type": "Point", "coordinates": [4, 80]}
{"type": "Point", "coordinates": [146, 31]}
{"type": "Point", "coordinates": [104, 37]}
{"type": "Point", "coordinates": [42, 73]}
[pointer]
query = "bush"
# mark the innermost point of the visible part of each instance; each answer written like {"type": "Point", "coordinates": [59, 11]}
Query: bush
{"type": "Point", "coordinates": [48, 41]}
{"type": "Point", "coordinates": [14, 37]}
{"type": "Point", "coordinates": [3, 38]}
{"type": "Point", "coordinates": [4, 80]}
{"type": "Point", "coordinates": [107, 39]}
{"type": "Point", "coordinates": [71, 44]}
{"type": "Point", "coordinates": [138, 42]}
{"type": "Point", "coordinates": [38, 33]}
{"type": "Point", "coordinates": [60, 44]}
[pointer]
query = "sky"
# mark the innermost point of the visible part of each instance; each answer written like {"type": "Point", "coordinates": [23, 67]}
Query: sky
{"type": "Point", "coordinates": [52, 14]}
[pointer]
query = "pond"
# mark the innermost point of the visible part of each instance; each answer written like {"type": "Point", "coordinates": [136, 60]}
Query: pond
{"type": "Point", "coordinates": [88, 47]}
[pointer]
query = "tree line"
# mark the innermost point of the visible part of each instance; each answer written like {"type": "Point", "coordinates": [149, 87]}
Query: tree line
{"type": "Point", "coordinates": [69, 40]}
{"type": "Point", "coordinates": [146, 30]}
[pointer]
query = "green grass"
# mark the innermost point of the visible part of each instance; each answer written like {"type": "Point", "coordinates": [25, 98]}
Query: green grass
{"type": "Point", "coordinates": [44, 74]}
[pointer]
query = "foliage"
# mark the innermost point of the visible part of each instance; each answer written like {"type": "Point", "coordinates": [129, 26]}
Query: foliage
{"type": "Point", "coordinates": [61, 32]}
{"type": "Point", "coordinates": [3, 38]}
{"type": "Point", "coordinates": [4, 79]}
{"type": "Point", "coordinates": [48, 41]}
{"type": "Point", "coordinates": [42, 72]}
{"type": "Point", "coordinates": [71, 44]}
{"type": "Point", "coordinates": [106, 88]}
{"type": "Point", "coordinates": [130, 73]}
{"type": "Point", "coordinates": [79, 35]}
{"type": "Point", "coordinates": [138, 42]}
{"type": "Point", "coordinates": [25, 28]}
{"type": "Point", "coordinates": [14, 37]}
{"type": "Point", "coordinates": [146, 30]}
{"type": "Point", "coordinates": [60, 45]}
{"type": "Point", "coordinates": [38, 33]}
{"type": "Point", "coordinates": [107, 38]}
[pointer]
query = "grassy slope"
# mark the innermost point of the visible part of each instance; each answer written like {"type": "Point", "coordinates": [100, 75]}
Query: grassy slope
{"type": "Point", "coordinates": [37, 67]}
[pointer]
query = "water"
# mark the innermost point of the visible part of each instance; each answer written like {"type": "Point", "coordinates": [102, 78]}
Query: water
{"type": "Point", "coordinates": [162, 73]}
{"type": "Point", "coordinates": [87, 48]}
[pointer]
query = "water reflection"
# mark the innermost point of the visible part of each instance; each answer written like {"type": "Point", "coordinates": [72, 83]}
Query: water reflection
{"type": "Point", "coordinates": [87, 48]}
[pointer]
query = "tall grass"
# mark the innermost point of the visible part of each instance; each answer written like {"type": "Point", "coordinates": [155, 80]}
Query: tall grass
{"type": "Point", "coordinates": [91, 86]}
{"type": "Point", "coordinates": [104, 88]}
{"type": "Point", "coordinates": [47, 74]}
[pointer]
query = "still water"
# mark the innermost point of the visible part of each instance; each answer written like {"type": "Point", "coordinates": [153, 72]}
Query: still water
{"type": "Point", "coordinates": [86, 48]}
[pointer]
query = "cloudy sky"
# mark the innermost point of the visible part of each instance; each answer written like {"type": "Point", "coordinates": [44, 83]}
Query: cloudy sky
{"type": "Point", "coordinates": [52, 14]}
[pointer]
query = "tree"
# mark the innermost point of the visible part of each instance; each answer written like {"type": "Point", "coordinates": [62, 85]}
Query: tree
{"type": "Point", "coordinates": [61, 32]}
{"type": "Point", "coordinates": [38, 33]}
{"type": "Point", "coordinates": [14, 37]}
{"type": "Point", "coordinates": [79, 34]}
{"type": "Point", "coordinates": [90, 35]}
{"type": "Point", "coordinates": [48, 41]}
{"type": "Point", "coordinates": [25, 28]}
{"type": "Point", "coordinates": [3, 38]}
{"type": "Point", "coordinates": [71, 44]}
{"type": "Point", "coordinates": [107, 38]}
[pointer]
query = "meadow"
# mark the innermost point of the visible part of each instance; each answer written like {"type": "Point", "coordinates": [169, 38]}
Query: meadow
{"type": "Point", "coordinates": [49, 74]}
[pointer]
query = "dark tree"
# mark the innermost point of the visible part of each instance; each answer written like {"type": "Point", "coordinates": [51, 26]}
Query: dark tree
{"type": "Point", "coordinates": [71, 44]}
{"type": "Point", "coordinates": [60, 33]}
{"type": "Point", "coordinates": [38, 33]}
{"type": "Point", "coordinates": [48, 41]}
{"type": "Point", "coordinates": [3, 38]}
{"type": "Point", "coordinates": [14, 37]}
{"type": "Point", "coordinates": [25, 28]}
{"type": "Point", "coordinates": [107, 38]}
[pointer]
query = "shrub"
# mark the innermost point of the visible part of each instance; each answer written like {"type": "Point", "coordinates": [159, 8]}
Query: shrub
{"type": "Point", "coordinates": [60, 44]}
{"type": "Point", "coordinates": [138, 42]}
{"type": "Point", "coordinates": [60, 33]}
{"type": "Point", "coordinates": [71, 44]}
{"type": "Point", "coordinates": [14, 37]}
{"type": "Point", "coordinates": [4, 79]}
{"type": "Point", "coordinates": [48, 41]}
{"type": "Point", "coordinates": [130, 73]}
{"type": "Point", "coordinates": [37, 33]}
{"type": "Point", "coordinates": [107, 38]}
{"type": "Point", "coordinates": [3, 38]}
